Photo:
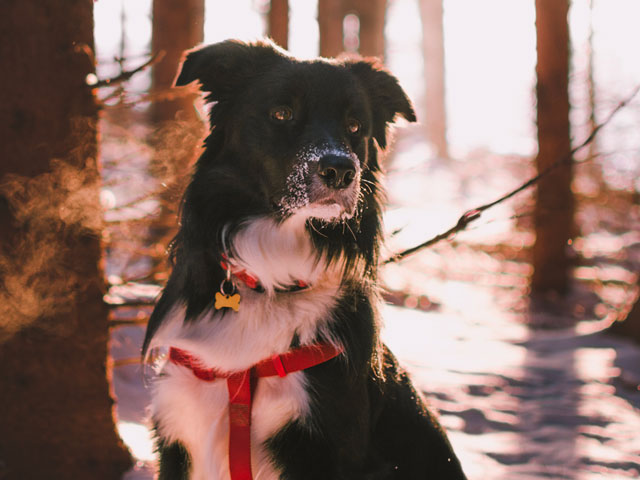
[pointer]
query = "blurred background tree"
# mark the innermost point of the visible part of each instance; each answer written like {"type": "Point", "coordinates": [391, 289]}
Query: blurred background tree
{"type": "Point", "coordinates": [278, 22]}
{"type": "Point", "coordinates": [554, 206]}
{"type": "Point", "coordinates": [177, 25]}
{"type": "Point", "coordinates": [435, 121]}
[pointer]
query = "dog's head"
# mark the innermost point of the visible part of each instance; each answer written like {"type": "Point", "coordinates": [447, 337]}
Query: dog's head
{"type": "Point", "coordinates": [298, 135]}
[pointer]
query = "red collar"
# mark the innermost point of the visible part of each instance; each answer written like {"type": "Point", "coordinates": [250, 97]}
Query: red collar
{"type": "Point", "coordinates": [240, 386]}
{"type": "Point", "coordinates": [253, 283]}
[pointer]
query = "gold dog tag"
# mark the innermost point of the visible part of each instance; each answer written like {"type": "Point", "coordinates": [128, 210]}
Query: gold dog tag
{"type": "Point", "coordinates": [227, 301]}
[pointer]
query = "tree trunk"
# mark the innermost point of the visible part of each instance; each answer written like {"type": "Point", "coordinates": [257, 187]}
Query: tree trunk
{"type": "Point", "coordinates": [56, 410]}
{"type": "Point", "coordinates": [434, 68]}
{"type": "Point", "coordinates": [330, 17]}
{"type": "Point", "coordinates": [177, 26]}
{"type": "Point", "coordinates": [553, 216]}
{"type": "Point", "coordinates": [372, 15]}
{"type": "Point", "coordinates": [278, 22]}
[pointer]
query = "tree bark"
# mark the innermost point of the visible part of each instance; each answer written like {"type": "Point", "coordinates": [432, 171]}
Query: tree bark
{"type": "Point", "coordinates": [434, 75]}
{"type": "Point", "coordinates": [372, 14]}
{"type": "Point", "coordinates": [331, 14]}
{"type": "Point", "coordinates": [56, 410]}
{"type": "Point", "coordinates": [177, 25]}
{"type": "Point", "coordinates": [553, 215]}
{"type": "Point", "coordinates": [278, 22]}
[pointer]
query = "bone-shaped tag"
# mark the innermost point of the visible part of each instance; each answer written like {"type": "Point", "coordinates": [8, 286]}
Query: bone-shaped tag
{"type": "Point", "coordinates": [227, 301]}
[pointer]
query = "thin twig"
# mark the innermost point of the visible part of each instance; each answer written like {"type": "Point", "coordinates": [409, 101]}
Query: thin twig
{"type": "Point", "coordinates": [475, 213]}
{"type": "Point", "coordinates": [127, 74]}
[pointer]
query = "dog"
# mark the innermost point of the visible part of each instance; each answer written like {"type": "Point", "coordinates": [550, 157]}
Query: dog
{"type": "Point", "coordinates": [275, 367]}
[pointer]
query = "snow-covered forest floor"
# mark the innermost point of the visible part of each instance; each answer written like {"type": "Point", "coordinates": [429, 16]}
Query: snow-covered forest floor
{"type": "Point", "coordinates": [526, 391]}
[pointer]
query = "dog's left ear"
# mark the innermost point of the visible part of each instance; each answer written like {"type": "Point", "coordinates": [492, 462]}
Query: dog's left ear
{"type": "Point", "coordinates": [224, 69]}
{"type": "Point", "coordinates": [386, 96]}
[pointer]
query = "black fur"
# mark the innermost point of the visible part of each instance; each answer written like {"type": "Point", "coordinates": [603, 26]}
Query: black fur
{"type": "Point", "coordinates": [367, 420]}
{"type": "Point", "coordinates": [173, 461]}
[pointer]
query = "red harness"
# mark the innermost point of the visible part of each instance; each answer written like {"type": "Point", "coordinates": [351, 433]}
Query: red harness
{"type": "Point", "coordinates": [239, 385]}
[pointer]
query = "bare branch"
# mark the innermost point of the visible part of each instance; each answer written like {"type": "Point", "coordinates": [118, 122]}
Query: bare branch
{"type": "Point", "coordinates": [126, 75]}
{"type": "Point", "coordinates": [162, 95]}
{"type": "Point", "coordinates": [475, 213]}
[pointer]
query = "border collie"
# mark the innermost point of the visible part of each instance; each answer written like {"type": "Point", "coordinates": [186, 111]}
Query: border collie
{"type": "Point", "coordinates": [275, 367]}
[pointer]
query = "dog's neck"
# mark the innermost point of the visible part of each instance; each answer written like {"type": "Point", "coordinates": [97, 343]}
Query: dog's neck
{"type": "Point", "coordinates": [276, 254]}
{"type": "Point", "coordinates": [234, 275]}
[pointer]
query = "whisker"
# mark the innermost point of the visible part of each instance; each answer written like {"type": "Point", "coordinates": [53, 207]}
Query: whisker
{"type": "Point", "coordinates": [349, 227]}
{"type": "Point", "coordinates": [313, 227]}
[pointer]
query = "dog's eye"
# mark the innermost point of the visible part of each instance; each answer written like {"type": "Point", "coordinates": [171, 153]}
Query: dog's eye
{"type": "Point", "coordinates": [282, 114]}
{"type": "Point", "coordinates": [354, 126]}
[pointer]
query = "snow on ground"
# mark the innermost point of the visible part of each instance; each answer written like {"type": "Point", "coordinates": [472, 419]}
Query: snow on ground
{"type": "Point", "coordinates": [519, 403]}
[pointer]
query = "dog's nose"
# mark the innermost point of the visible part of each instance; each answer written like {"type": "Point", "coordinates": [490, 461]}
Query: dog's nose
{"type": "Point", "coordinates": [337, 171]}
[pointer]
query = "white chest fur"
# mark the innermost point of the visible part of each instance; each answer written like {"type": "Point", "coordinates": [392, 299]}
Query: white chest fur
{"type": "Point", "coordinates": [195, 412]}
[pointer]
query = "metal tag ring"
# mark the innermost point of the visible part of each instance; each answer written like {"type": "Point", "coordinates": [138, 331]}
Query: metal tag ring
{"type": "Point", "coordinates": [231, 284]}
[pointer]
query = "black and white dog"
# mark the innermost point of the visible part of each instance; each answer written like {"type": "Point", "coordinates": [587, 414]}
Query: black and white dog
{"type": "Point", "coordinates": [276, 369]}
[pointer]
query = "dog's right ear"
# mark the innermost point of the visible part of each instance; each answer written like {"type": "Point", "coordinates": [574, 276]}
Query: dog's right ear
{"type": "Point", "coordinates": [387, 97]}
{"type": "Point", "coordinates": [224, 69]}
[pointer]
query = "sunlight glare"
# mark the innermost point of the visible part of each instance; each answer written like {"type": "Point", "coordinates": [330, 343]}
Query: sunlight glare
{"type": "Point", "coordinates": [239, 19]}
{"type": "Point", "coordinates": [304, 36]}
{"type": "Point", "coordinates": [138, 439]}
{"type": "Point", "coordinates": [490, 74]}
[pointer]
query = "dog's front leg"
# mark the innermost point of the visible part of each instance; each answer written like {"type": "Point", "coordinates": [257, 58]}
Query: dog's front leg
{"type": "Point", "coordinates": [302, 452]}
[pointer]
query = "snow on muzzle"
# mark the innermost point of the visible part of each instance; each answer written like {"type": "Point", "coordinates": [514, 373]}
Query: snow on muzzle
{"type": "Point", "coordinates": [324, 183]}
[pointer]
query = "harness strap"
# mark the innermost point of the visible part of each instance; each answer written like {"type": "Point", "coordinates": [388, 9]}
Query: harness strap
{"type": "Point", "coordinates": [240, 386]}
